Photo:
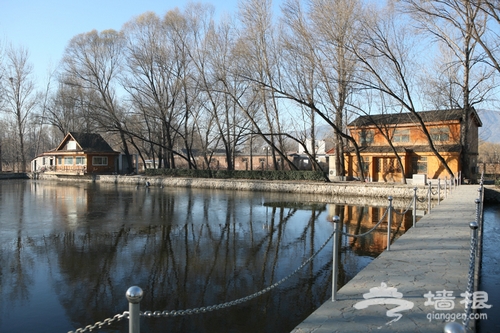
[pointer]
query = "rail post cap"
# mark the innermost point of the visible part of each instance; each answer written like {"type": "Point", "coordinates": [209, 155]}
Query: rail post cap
{"type": "Point", "coordinates": [473, 225]}
{"type": "Point", "coordinates": [134, 294]}
{"type": "Point", "coordinates": [336, 219]}
{"type": "Point", "coordinates": [454, 327]}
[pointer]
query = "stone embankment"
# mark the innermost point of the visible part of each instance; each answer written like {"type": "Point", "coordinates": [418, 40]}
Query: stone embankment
{"type": "Point", "coordinates": [336, 189]}
{"type": "Point", "coordinates": [354, 189]}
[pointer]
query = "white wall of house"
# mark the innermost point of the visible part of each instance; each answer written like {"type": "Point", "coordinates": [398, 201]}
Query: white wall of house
{"type": "Point", "coordinates": [320, 147]}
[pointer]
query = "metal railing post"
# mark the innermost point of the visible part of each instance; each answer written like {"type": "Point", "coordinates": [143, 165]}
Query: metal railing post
{"type": "Point", "coordinates": [336, 238]}
{"type": "Point", "coordinates": [446, 187]}
{"type": "Point", "coordinates": [134, 296]}
{"type": "Point", "coordinates": [429, 195]}
{"type": "Point", "coordinates": [439, 191]}
{"type": "Point", "coordinates": [478, 210]}
{"type": "Point", "coordinates": [389, 223]}
{"type": "Point", "coordinates": [414, 206]}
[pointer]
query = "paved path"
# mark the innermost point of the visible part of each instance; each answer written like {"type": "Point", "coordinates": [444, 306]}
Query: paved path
{"type": "Point", "coordinates": [432, 257]}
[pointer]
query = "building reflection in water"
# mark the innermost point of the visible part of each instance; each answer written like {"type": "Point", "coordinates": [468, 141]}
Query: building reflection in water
{"type": "Point", "coordinates": [69, 253]}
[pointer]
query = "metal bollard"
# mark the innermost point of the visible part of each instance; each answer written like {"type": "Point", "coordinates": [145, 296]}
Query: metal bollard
{"type": "Point", "coordinates": [429, 197]}
{"type": "Point", "coordinates": [454, 327]}
{"type": "Point", "coordinates": [336, 238]}
{"type": "Point", "coordinates": [414, 206]}
{"type": "Point", "coordinates": [439, 191]}
{"type": "Point", "coordinates": [478, 211]}
{"type": "Point", "coordinates": [134, 296]}
{"type": "Point", "coordinates": [446, 187]}
{"type": "Point", "coordinates": [389, 223]}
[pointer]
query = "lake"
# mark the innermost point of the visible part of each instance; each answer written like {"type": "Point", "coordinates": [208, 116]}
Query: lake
{"type": "Point", "coordinates": [70, 251]}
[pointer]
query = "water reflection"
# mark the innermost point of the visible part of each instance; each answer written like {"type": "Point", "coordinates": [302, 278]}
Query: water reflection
{"type": "Point", "coordinates": [69, 253]}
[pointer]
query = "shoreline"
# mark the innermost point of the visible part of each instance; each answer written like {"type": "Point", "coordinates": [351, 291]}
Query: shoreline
{"type": "Point", "coordinates": [336, 189]}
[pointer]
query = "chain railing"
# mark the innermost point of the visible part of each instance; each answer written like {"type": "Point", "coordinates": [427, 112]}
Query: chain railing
{"type": "Point", "coordinates": [134, 294]}
{"type": "Point", "coordinates": [100, 324]}
{"type": "Point", "coordinates": [475, 253]}
{"type": "Point", "coordinates": [205, 309]}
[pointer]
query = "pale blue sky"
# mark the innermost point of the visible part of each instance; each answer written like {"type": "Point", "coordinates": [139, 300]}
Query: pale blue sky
{"type": "Point", "coordinates": [45, 27]}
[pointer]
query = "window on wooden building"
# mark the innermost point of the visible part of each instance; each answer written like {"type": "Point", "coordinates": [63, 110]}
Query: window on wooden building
{"type": "Point", "coordinates": [440, 134]}
{"type": "Point", "coordinates": [365, 137]}
{"type": "Point", "coordinates": [99, 160]}
{"type": "Point", "coordinates": [419, 164]}
{"type": "Point", "coordinates": [401, 135]}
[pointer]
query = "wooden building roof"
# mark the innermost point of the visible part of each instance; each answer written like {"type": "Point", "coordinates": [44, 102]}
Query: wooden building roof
{"type": "Point", "coordinates": [87, 142]}
{"type": "Point", "coordinates": [410, 118]}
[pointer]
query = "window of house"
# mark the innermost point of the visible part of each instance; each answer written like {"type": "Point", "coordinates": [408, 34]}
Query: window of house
{"type": "Point", "coordinates": [71, 145]}
{"type": "Point", "coordinates": [365, 137]}
{"type": "Point", "coordinates": [419, 164]}
{"type": "Point", "coordinates": [100, 160]}
{"type": "Point", "coordinates": [80, 160]}
{"type": "Point", "coordinates": [440, 134]}
{"type": "Point", "coordinates": [401, 135]}
{"type": "Point", "coordinates": [68, 160]}
{"type": "Point", "coordinates": [59, 161]}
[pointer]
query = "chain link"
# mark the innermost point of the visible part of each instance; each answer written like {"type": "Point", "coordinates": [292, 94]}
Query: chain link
{"type": "Point", "coordinates": [470, 280]}
{"type": "Point", "coordinates": [424, 199]}
{"type": "Point", "coordinates": [407, 209]}
{"type": "Point", "coordinates": [174, 313]}
{"type": "Point", "coordinates": [100, 324]}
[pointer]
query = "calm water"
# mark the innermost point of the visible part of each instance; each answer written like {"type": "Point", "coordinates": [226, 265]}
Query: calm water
{"type": "Point", "coordinates": [68, 253]}
{"type": "Point", "coordinates": [490, 269]}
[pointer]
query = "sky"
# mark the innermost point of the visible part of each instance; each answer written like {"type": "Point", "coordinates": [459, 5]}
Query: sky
{"type": "Point", "coordinates": [45, 27]}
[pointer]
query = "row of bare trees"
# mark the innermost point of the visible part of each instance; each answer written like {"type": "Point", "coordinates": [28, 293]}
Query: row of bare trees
{"type": "Point", "coordinates": [187, 83]}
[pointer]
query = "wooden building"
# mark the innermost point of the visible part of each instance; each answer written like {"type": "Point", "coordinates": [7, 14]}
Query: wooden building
{"type": "Point", "coordinates": [78, 154]}
{"type": "Point", "coordinates": [404, 131]}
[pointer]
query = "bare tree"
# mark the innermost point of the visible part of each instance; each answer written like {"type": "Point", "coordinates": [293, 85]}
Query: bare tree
{"type": "Point", "coordinates": [336, 24]}
{"type": "Point", "coordinates": [20, 98]}
{"type": "Point", "coordinates": [220, 122]}
{"type": "Point", "coordinates": [454, 24]}
{"type": "Point", "coordinates": [94, 60]}
{"type": "Point", "coordinates": [319, 65]}
{"type": "Point", "coordinates": [385, 53]}
{"type": "Point", "coordinates": [263, 56]}
{"type": "Point", "coordinates": [70, 108]}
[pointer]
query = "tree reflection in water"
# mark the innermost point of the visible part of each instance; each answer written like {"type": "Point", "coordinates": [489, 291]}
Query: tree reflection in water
{"type": "Point", "coordinates": [85, 244]}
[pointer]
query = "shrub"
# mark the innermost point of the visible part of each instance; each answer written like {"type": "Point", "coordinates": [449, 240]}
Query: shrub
{"type": "Point", "coordinates": [240, 174]}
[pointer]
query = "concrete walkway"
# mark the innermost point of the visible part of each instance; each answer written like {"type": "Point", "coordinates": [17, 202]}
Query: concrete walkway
{"type": "Point", "coordinates": [432, 257]}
